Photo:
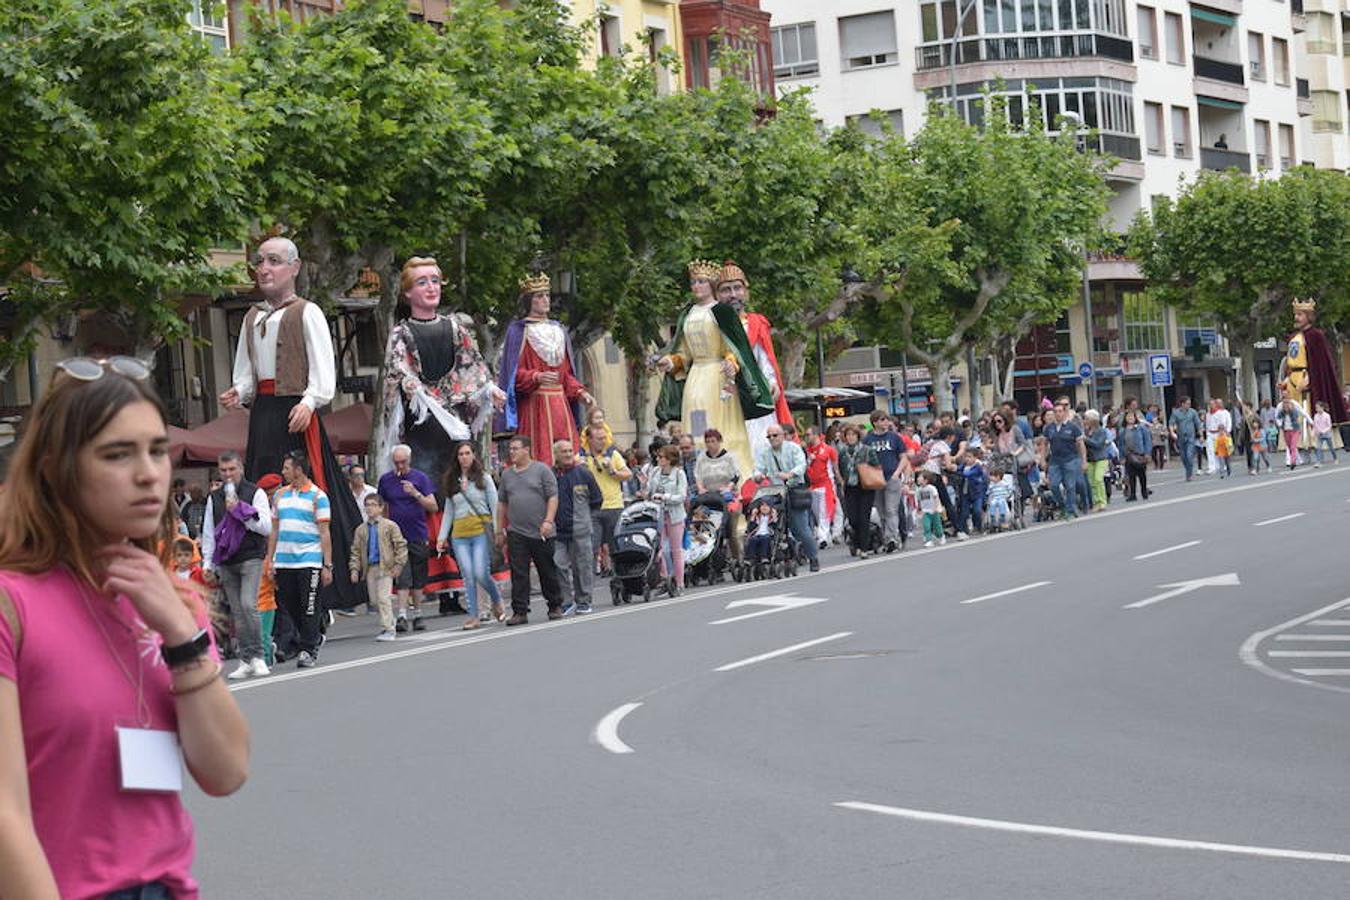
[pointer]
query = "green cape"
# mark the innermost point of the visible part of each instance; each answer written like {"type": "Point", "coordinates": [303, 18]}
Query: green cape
{"type": "Point", "coordinates": [756, 397]}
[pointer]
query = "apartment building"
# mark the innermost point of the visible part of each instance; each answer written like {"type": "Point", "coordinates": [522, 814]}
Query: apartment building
{"type": "Point", "coordinates": [1322, 53]}
{"type": "Point", "coordinates": [1169, 87]}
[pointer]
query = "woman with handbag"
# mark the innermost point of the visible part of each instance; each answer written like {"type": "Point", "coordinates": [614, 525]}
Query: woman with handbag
{"type": "Point", "coordinates": [860, 470]}
{"type": "Point", "coordinates": [1138, 442]}
{"type": "Point", "coordinates": [669, 487]}
{"type": "Point", "coordinates": [1009, 440]}
{"type": "Point", "coordinates": [467, 524]}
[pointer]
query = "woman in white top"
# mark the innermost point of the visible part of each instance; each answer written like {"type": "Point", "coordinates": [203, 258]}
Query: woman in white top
{"type": "Point", "coordinates": [669, 487]}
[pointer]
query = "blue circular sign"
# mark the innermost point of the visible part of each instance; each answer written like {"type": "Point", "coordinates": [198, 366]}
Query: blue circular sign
{"type": "Point", "coordinates": [1085, 370]}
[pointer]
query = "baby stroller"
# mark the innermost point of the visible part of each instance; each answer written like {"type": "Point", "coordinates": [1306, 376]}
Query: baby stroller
{"type": "Point", "coordinates": [1047, 507]}
{"type": "Point", "coordinates": [636, 553]}
{"type": "Point", "coordinates": [782, 559]}
{"type": "Point", "coordinates": [706, 557]}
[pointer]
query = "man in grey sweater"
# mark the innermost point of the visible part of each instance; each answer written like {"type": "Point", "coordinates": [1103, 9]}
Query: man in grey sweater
{"type": "Point", "coordinates": [527, 505]}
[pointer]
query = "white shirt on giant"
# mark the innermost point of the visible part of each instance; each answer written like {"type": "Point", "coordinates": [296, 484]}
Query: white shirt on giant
{"type": "Point", "coordinates": [321, 385]}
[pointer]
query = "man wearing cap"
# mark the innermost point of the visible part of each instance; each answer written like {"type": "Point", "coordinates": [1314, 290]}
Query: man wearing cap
{"type": "Point", "coordinates": [733, 289]}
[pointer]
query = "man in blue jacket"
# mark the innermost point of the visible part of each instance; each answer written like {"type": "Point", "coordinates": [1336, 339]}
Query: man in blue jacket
{"type": "Point", "coordinates": [578, 497]}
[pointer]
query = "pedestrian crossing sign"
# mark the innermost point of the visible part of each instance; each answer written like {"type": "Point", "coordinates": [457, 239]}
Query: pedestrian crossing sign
{"type": "Point", "coordinates": [1160, 370]}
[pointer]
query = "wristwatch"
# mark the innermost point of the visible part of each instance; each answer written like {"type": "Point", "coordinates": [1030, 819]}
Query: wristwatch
{"type": "Point", "coordinates": [186, 652]}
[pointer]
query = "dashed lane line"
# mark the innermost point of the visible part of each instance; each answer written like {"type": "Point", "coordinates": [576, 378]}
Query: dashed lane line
{"type": "Point", "coordinates": [1278, 519]}
{"type": "Point", "coordinates": [1016, 590]}
{"type": "Point", "coordinates": [1168, 550]}
{"type": "Point", "coordinates": [784, 651]}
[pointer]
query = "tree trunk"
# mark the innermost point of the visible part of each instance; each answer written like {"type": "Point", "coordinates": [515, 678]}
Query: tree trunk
{"type": "Point", "coordinates": [1245, 383]}
{"type": "Point", "coordinates": [1008, 378]}
{"type": "Point", "coordinates": [941, 370]}
{"type": "Point", "coordinates": [973, 384]}
{"type": "Point", "coordinates": [637, 373]}
{"type": "Point", "coordinates": [792, 360]}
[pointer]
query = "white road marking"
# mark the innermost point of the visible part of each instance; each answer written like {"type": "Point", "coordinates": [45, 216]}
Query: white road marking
{"type": "Point", "coordinates": [1279, 519]}
{"type": "Point", "coordinates": [1308, 654]}
{"type": "Point", "coordinates": [1016, 590]}
{"type": "Point", "coordinates": [1228, 579]}
{"type": "Point", "coordinates": [783, 652]}
{"type": "Point", "coordinates": [1323, 672]}
{"type": "Point", "coordinates": [1249, 651]}
{"type": "Point", "coordinates": [1313, 637]}
{"type": "Point", "coordinates": [606, 732]}
{"type": "Point", "coordinates": [499, 634]}
{"type": "Point", "coordinates": [1330, 623]}
{"type": "Point", "coordinates": [1168, 550]}
{"type": "Point", "coordinates": [1109, 837]}
{"type": "Point", "coordinates": [776, 604]}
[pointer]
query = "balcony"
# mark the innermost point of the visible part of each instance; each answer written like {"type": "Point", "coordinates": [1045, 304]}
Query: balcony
{"type": "Point", "coordinates": [1223, 160]}
{"type": "Point", "coordinates": [1118, 145]}
{"type": "Point", "coordinates": [938, 55]}
{"type": "Point", "coordinates": [1216, 70]}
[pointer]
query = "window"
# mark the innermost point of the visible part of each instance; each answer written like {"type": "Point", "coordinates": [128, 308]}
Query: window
{"type": "Point", "coordinates": [203, 19]}
{"type": "Point", "coordinates": [1326, 115]}
{"type": "Point", "coordinates": [1181, 132]}
{"type": "Point", "coordinates": [794, 51]}
{"type": "Point", "coordinates": [1256, 55]}
{"type": "Point", "coordinates": [611, 36]}
{"type": "Point", "coordinates": [868, 125]}
{"type": "Point", "coordinates": [1279, 49]}
{"type": "Point", "coordinates": [1148, 32]}
{"type": "Point", "coordinates": [868, 40]}
{"type": "Point", "coordinates": [929, 22]}
{"type": "Point", "coordinates": [1262, 144]}
{"type": "Point", "coordinates": [1286, 146]}
{"type": "Point", "coordinates": [1202, 328]}
{"type": "Point", "coordinates": [1144, 322]}
{"type": "Point", "coordinates": [1176, 40]}
{"type": "Point", "coordinates": [1153, 128]}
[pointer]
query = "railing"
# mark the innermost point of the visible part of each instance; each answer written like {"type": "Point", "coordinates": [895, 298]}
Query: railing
{"type": "Point", "coordinates": [1222, 160]}
{"type": "Point", "coordinates": [1219, 71]}
{"type": "Point", "coordinates": [1118, 145]}
{"type": "Point", "coordinates": [1303, 89]}
{"type": "Point", "coordinates": [938, 54]}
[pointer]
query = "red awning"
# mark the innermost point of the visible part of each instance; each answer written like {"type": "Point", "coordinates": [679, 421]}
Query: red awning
{"type": "Point", "coordinates": [348, 432]}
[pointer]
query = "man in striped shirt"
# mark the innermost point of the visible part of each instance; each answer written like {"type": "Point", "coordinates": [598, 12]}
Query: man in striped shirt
{"type": "Point", "coordinates": [300, 554]}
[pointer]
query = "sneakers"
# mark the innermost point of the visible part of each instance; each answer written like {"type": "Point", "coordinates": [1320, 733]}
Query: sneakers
{"type": "Point", "coordinates": [418, 624]}
{"type": "Point", "coordinates": [401, 626]}
{"type": "Point", "coordinates": [942, 541]}
{"type": "Point", "coordinates": [890, 546]}
{"type": "Point", "coordinates": [386, 636]}
{"type": "Point", "coordinates": [307, 660]}
{"type": "Point", "coordinates": [259, 667]}
{"type": "Point", "coordinates": [583, 609]}
{"type": "Point", "coordinates": [518, 619]}
{"type": "Point", "coordinates": [928, 543]}
{"type": "Point", "coordinates": [814, 565]}
{"type": "Point", "coordinates": [244, 671]}
{"type": "Point", "coordinates": [567, 609]}
{"type": "Point", "coordinates": [484, 616]}
{"type": "Point", "coordinates": [346, 613]}
{"type": "Point", "coordinates": [961, 536]}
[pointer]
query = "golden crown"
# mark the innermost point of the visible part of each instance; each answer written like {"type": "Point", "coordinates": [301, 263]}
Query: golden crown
{"type": "Point", "coordinates": [1308, 305]}
{"type": "Point", "coordinates": [536, 284]}
{"type": "Point", "coordinates": [702, 268]}
{"type": "Point", "coordinates": [732, 272]}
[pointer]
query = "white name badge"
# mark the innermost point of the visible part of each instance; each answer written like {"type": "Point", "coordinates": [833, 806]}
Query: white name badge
{"type": "Point", "coordinates": [150, 759]}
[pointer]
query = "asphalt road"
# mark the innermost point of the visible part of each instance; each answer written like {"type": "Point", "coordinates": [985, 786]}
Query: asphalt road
{"type": "Point", "coordinates": [1048, 742]}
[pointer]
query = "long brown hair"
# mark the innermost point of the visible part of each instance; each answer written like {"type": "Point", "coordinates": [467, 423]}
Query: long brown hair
{"type": "Point", "coordinates": [40, 526]}
{"type": "Point", "coordinates": [453, 472]}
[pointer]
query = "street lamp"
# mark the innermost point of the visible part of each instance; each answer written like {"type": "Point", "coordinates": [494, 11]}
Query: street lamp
{"type": "Point", "coordinates": [961, 14]}
{"type": "Point", "coordinates": [1076, 121]}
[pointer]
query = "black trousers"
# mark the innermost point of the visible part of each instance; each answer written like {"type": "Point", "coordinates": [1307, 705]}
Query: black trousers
{"type": "Point", "coordinates": [521, 551]}
{"type": "Point", "coordinates": [945, 498]}
{"type": "Point", "coordinates": [1136, 480]}
{"type": "Point", "coordinates": [298, 595]}
{"type": "Point", "coordinates": [858, 511]}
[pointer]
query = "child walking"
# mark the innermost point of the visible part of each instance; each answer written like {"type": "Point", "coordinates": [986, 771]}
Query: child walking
{"type": "Point", "coordinates": [379, 553]}
{"type": "Point", "coordinates": [931, 507]}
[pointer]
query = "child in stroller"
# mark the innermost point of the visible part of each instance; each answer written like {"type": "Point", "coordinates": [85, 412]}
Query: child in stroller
{"type": "Point", "coordinates": [706, 557]}
{"type": "Point", "coordinates": [781, 558]}
{"type": "Point", "coordinates": [637, 550]}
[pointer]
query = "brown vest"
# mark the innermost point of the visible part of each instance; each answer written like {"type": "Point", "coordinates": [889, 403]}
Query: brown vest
{"type": "Point", "coordinates": [292, 358]}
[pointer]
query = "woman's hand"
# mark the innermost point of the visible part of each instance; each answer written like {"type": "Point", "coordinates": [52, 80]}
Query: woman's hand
{"type": "Point", "coordinates": [131, 571]}
{"type": "Point", "coordinates": [442, 546]}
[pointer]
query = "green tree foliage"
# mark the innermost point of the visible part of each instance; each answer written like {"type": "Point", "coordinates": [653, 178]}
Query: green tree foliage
{"type": "Point", "coordinates": [120, 164]}
{"type": "Point", "coordinates": [972, 232]}
{"type": "Point", "coordinates": [1241, 249]}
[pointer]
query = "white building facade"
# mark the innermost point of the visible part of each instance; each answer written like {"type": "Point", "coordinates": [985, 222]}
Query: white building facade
{"type": "Point", "coordinates": [1170, 87]}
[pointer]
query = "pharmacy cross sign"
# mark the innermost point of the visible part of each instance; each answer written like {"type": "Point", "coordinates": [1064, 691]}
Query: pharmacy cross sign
{"type": "Point", "coordinates": [1197, 349]}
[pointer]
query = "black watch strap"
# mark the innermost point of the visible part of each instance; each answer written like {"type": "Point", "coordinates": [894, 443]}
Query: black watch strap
{"type": "Point", "coordinates": [182, 654]}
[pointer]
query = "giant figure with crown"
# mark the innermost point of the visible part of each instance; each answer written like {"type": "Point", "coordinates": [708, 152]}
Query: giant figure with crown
{"type": "Point", "coordinates": [1308, 373]}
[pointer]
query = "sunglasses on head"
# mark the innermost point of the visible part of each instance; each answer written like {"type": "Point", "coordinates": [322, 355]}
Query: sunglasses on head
{"type": "Point", "coordinates": [86, 368]}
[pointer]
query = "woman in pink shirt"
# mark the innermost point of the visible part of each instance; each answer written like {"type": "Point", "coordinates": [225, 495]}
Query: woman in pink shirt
{"type": "Point", "coordinates": [107, 672]}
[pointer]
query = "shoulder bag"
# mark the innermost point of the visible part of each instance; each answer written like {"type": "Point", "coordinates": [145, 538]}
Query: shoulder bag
{"type": "Point", "coordinates": [870, 477]}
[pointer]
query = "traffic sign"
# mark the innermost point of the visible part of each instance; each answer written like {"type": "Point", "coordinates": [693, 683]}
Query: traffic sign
{"type": "Point", "coordinates": [1160, 370]}
{"type": "Point", "coordinates": [1085, 370]}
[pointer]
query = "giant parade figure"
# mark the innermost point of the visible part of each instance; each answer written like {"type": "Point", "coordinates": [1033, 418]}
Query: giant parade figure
{"type": "Point", "coordinates": [733, 289]}
{"type": "Point", "coordinates": [284, 372]}
{"type": "Point", "coordinates": [437, 391]}
{"type": "Point", "coordinates": [538, 374]}
{"type": "Point", "coordinates": [712, 379]}
{"type": "Point", "coordinates": [1308, 373]}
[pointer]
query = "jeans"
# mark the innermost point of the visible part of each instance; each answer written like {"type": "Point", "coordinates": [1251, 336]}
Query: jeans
{"type": "Point", "coordinates": [970, 512]}
{"type": "Point", "coordinates": [759, 548]}
{"type": "Point", "coordinates": [298, 594]}
{"type": "Point", "coordinates": [155, 890]}
{"type": "Point", "coordinates": [1187, 446]}
{"type": "Point", "coordinates": [803, 529]}
{"type": "Point", "coordinates": [1064, 478]}
{"type": "Point", "coordinates": [1331, 448]}
{"type": "Point", "coordinates": [574, 558]}
{"type": "Point", "coordinates": [473, 555]}
{"type": "Point", "coordinates": [521, 550]}
{"type": "Point", "coordinates": [893, 512]}
{"type": "Point", "coordinates": [999, 515]}
{"type": "Point", "coordinates": [239, 582]}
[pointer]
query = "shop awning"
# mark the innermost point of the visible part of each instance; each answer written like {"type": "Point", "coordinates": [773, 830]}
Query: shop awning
{"type": "Point", "coordinates": [1213, 15]}
{"type": "Point", "coordinates": [1216, 102]}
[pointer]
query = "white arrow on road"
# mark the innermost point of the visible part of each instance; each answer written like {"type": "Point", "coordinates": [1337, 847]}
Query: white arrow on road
{"type": "Point", "coordinates": [1228, 579]}
{"type": "Point", "coordinates": [776, 604]}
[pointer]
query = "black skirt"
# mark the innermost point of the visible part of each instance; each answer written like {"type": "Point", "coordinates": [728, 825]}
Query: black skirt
{"type": "Point", "coordinates": [269, 442]}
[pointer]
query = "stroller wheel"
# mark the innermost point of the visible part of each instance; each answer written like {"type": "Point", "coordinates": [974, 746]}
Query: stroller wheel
{"type": "Point", "coordinates": [616, 592]}
{"type": "Point", "coordinates": [852, 550]}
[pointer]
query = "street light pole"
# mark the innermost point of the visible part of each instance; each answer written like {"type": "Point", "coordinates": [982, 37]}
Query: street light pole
{"type": "Point", "coordinates": [961, 13]}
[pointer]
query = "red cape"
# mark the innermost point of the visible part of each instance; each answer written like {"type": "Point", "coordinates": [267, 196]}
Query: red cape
{"type": "Point", "coordinates": [760, 333]}
{"type": "Point", "coordinates": [1323, 384]}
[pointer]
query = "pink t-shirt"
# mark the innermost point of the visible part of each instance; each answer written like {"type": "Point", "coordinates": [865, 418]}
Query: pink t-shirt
{"type": "Point", "coordinates": [72, 695]}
